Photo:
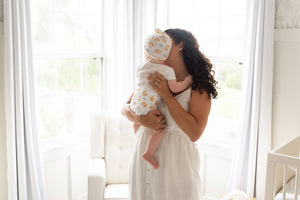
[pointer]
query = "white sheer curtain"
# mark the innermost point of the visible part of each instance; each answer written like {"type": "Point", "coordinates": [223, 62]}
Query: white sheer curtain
{"type": "Point", "coordinates": [254, 142]}
{"type": "Point", "coordinates": [132, 21]}
{"type": "Point", "coordinates": [24, 173]}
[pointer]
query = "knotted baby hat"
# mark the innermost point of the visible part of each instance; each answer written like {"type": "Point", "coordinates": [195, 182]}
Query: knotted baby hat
{"type": "Point", "coordinates": [158, 45]}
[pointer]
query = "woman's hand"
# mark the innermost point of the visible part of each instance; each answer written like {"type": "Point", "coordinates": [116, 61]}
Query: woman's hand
{"type": "Point", "coordinates": [158, 82]}
{"type": "Point", "coordinates": [153, 120]}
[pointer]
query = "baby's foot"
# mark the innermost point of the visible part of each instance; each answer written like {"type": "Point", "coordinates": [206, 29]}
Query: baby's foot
{"type": "Point", "coordinates": [151, 160]}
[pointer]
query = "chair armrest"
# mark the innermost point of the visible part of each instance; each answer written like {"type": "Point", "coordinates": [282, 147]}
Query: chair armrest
{"type": "Point", "coordinates": [96, 179]}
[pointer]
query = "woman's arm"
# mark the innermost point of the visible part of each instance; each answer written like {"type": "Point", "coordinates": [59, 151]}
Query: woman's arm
{"type": "Point", "coordinates": [193, 122]}
{"type": "Point", "coordinates": [153, 119]}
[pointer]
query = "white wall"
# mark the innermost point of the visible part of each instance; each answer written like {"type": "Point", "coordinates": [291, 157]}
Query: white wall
{"type": "Point", "coordinates": [286, 91]}
{"type": "Point", "coordinates": [286, 95]}
{"type": "Point", "coordinates": [213, 156]}
{"type": "Point", "coordinates": [3, 163]}
{"type": "Point", "coordinates": [66, 169]}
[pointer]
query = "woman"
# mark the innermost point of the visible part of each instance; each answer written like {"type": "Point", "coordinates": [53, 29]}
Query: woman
{"type": "Point", "coordinates": [183, 116]}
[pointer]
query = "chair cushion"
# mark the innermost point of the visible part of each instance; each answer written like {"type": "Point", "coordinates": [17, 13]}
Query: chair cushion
{"type": "Point", "coordinates": [117, 192]}
{"type": "Point", "coordinates": [118, 144]}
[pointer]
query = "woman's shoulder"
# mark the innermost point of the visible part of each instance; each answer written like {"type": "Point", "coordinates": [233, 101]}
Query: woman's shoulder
{"type": "Point", "coordinates": [198, 97]}
{"type": "Point", "coordinates": [200, 103]}
{"type": "Point", "coordinates": [197, 92]}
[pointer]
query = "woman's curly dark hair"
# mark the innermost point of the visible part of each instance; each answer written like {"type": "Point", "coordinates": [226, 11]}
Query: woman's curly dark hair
{"type": "Point", "coordinates": [198, 65]}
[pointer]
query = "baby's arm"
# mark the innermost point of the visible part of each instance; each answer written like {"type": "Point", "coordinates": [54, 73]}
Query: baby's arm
{"type": "Point", "coordinates": [176, 86]}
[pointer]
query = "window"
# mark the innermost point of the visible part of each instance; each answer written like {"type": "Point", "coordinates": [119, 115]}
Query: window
{"type": "Point", "coordinates": [67, 49]}
{"type": "Point", "coordinates": [220, 28]}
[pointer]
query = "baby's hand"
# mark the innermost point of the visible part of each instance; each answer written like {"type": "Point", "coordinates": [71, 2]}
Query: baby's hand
{"type": "Point", "coordinates": [189, 79]}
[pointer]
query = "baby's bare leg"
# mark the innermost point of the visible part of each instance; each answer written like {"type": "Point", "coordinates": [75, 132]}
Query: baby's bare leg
{"type": "Point", "coordinates": [152, 146]}
{"type": "Point", "coordinates": [135, 127]}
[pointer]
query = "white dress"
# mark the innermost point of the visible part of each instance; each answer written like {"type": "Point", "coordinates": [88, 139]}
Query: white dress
{"type": "Point", "coordinates": [177, 177]}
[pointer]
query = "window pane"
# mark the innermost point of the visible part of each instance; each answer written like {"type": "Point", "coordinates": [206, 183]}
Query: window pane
{"type": "Point", "coordinates": [90, 33]}
{"type": "Point", "coordinates": [45, 73]}
{"type": "Point", "coordinates": [178, 9]}
{"type": "Point", "coordinates": [204, 8]}
{"type": "Point", "coordinates": [68, 91]}
{"type": "Point", "coordinates": [67, 25]}
{"type": "Point", "coordinates": [42, 24]}
{"type": "Point", "coordinates": [234, 8]}
{"type": "Point", "coordinates": [226, 109]}
{"type": "Point", "coordinates": [91, 7]}
{"type": "Point", "coordinates": [182, 22]}
{"type": "Point", "coordinates": [232, 37]}
{"type": "Point", "coordinates": [65, 32]}
{"type": "Point", "coordinates": [65, 5]}
{"type": "Point", "coordinates": [207, 33]}
{"type": "Point", "coordinates": [229, 77]}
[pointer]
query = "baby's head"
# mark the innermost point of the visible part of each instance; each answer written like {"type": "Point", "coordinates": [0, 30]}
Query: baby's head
{"type": "Point", "coordinates": [158, 46]}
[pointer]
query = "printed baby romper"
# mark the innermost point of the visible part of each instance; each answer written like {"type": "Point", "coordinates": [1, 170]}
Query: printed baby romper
{"type": "Point", "coordinates": [145, 97]}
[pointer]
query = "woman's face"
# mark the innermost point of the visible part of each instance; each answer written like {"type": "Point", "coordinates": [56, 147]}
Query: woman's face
{"type": "Point", "coordinates": [175, 54]}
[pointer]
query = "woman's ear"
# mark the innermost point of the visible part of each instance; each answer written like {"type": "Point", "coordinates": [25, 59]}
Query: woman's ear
{"type": "Point", "coordinates": [181, 45]}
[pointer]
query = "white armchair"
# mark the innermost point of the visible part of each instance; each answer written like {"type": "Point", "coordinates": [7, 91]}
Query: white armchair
{"type": "Point", "coordinates": [111, 142]}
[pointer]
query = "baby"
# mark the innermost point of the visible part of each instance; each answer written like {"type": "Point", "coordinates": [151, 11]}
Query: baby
{"type": "Point", "coordinates": [157, 48]}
